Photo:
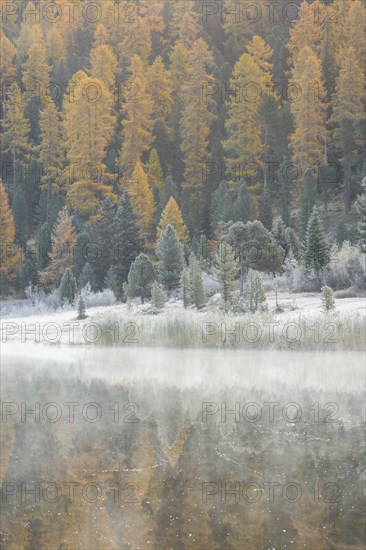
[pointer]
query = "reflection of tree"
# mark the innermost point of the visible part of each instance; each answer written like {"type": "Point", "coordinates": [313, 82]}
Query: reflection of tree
{"type": "Point", "coordinates": [166, 457]}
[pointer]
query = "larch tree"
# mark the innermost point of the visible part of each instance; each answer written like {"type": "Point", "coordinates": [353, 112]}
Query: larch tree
{"type": "Point", "coordinates": [348, 115]}
{"type": "Point", "coordinates": [196, 121]}
{"type": "Point", "coordinates": [160, 89]}
{"type": "Point", "coordinates": [56, 48]}
{"type": "Point", "coordinates": [173, 216]}
{"type": "Point", "coordinates": [16, 127]}
{"type": "Point", "coordinates": [88, 125]}
{"type": "Point", "coordinates": [308, 110]}
{"type": "Point", "coordinates": [142, 200]}
{"type": "Point", "coordinates": [136, 40]}
{"type": "Point", "coordinates": [10, 258]}
{"type": "Point", "coordinates": [63, 241]}
{"type": "Point", "coordinates": [104, 65]}
{"type": "Point", "coordinates": [307, 30]}
{"type": "Point", "coordinates": [8, 52]}
{"type": "Point", "coordinates": [184, 24]}
{"type": "Point", "coordinates": [137, 111]}
{"type": "Point", "coordinates": [154, 170]}
{"type": "Point", "coordinates": [36, 72]}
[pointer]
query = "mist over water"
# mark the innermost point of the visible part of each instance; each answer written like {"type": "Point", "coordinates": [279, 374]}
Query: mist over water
{"type": "Point", "coordinates": [167, 448]}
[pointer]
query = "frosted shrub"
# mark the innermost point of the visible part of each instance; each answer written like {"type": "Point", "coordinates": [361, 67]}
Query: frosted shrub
{"type": "Point", "coordinates": [347, 268]}
{"type": "Point", "coordinates": [104, 298]}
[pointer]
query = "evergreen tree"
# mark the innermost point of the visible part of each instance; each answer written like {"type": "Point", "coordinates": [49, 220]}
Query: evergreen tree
{"type": "Point", "coordinates": [173, 216]}
{"type": "Point", "coordinates": [111, 281]}
{"type": "Point", "coordinates": [29, 273]}
{"type": "Point", "coordinates": [307, 200]}
{"type": "Point", "coordinates": [185, 284]}
{"type": "Point", "coordinates": [266, 209]}
{"type": "Point", "coordinates": [279, 233]}
{"type": "Point", "coordinates": [361, 208]}
{"type": "Point", "coordinates": [87, 276]}
{"type": "Point", "coordinates": [168, 190]}
{"type": "Point", "coordinates": [254, 295]}
{"type": "Point", "coordinates": [244, 207]}
{"type": "Point", "coordinates": [103, 241]}
{"type": "Point", "coordinates": [226, 271]}
{"type": "Point", "coordinates": [221, 207]}
{"type": "Point", "coordinates": [171, 259]}
{"type": "Point", "coordinates": [294, 244]}
{"type": "Point", "coordinates": [81, 309]}
{"type": "Point", "coordinates": [44, 245]}
{"type": "Point", "coordinates": [127, 241]}
{"type": "Point", "coordinates": [328, 299]}
{"type": "Point", "coordinates": [68, 287]}
{"type": "Point", "coordinates": [196, 282]}
{"type": "Point", "coordinates": [83, 249]}
{"type": "Point", "coordinates": [255, 248]}
{"type": "Point", "coordinates": [141, 277]}
{"type": "Point", "coordinates": [285, 190]}
{"type": "Point", "coordinates": [316, 253]}
{"type": "Point", "coordinates": [157, 296]}
{"type": "Point", "coordinates": [20, 213]}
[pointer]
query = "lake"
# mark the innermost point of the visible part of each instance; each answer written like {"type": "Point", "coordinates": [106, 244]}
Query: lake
{"type": "Point", "coordinates": [127, 448]}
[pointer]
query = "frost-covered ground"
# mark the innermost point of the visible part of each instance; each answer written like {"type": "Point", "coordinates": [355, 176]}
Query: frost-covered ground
{"type": "Point", "coordinates": [19, 323]}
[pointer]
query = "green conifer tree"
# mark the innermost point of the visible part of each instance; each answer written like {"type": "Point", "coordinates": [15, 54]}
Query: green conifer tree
{"type": "Point", "coordinates": [226, 271]}
{"type": "Point", "coordinates": [244, 207]}
{"type": "Point", "coordinates": [171, 258]}
{"type": "Point", "coordinates": [87, 276]}
{"type": "Point", "coordinates": [141, 278]}
{"type": "Point", "coordinates": [254, 295]}
{"type": "Point", "coordinates": [361, 208]}
{"type": "Point", "coordinates": [68, 287]}
{"type": "Point", "coordinates": [316, 253]}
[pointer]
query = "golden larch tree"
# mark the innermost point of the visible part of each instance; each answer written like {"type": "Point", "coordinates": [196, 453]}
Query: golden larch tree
{"type": "Point", "coordinates": [63, 241]}
{"type": "Point", "coordinates": [142, 200]}
{"type": "Point", "coordinates": [10, 258]}
{"type": "Point", "coordinates": [173, 216]}
{"type": "Point", "coordinates": [308, 110]}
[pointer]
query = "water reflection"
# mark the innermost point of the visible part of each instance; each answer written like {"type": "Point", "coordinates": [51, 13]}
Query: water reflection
{"type": "Point", "coordinates": [110, 448]}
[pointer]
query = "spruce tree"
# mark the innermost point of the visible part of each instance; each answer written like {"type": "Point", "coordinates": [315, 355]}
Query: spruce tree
{"type": "Point", "coordinates": [285, 190]}
{"type": "Point", "coordinates": [81, 309]}
{"type": "Point", "coordinates": [171, 259]}
{"type": "Point", "coordinates": [279, 233]}
{"type": "Point", "coordinates": [266, 216]}
{"type": "Point", "coordinates": [29, 273]}
{"type": "Point", "coordinates": [307, 200]}
{"type": "Point", "coordinates": [244, 207]}
{"type": "Point", "coordinates": [157, 296]}
{"type": "Point", "coordinates": [185, 284]}
{"type": "Point", "coordinates": [141, 277]}
{"type": "Point", "coordinates": [168, 190]}
{"type": "Point", "coordinates": [68, 287]}
{"type": "Point", "coordinates": [327, 298]}
{"type": "Point", "coordinates": [196, 282]}
{"type": "Point", "coordinates": [316, 253]}
{"type": "Point", "coordinates": [221, 207]}
{"type": "Point", "coordinates": [226, 270]}
{"type": "Point", "coordinates": [361, 208]}
{"type": "Point", "coordinates": [20, 213]}
{"type": "Point", "coordinates": [84, 252]}
{"type": "Point", "coordinates": [254, 295]}
{"type": "Point", "coordinates": [293, 243]}
{"type": "Point", "coordinates": [44, 245]}
{"type": "Point", "coordinates": [87, 276]}
{"type": "Point", "coordinates": [111, 281]}
{"type": "Point", "coordinates": [102, 236]}
{"type": "Point", "coordinates": [127, 241]}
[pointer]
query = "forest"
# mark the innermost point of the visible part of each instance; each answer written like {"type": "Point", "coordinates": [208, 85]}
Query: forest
{"type": "Point", "coordinates": [145, 142]}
